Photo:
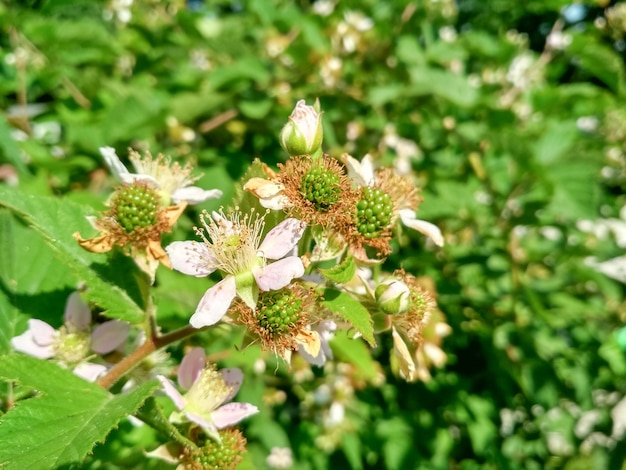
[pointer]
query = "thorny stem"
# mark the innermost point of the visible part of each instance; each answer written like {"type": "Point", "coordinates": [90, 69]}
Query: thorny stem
{"type": "Point", "coordinates": [133, 359]}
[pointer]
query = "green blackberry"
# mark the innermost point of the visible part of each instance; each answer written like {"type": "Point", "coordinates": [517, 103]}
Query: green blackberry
{"type": "Point", "coordinates": [135, 206]}
{"type": "Point", "coordinates": [374, 212]}
{"type": "Point", "coordinates": [321, 186]}
{"type": "Point", "coordinates": [279, 311]}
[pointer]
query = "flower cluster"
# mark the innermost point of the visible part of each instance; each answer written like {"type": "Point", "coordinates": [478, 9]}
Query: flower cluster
{"type": "Point", "coordinates": [298, 256]}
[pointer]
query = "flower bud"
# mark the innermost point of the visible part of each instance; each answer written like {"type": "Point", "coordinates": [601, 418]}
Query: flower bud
{"type": "Point", "coordinates": [302, 135]}
{"type": "Point", "coordinates": [393, 297]}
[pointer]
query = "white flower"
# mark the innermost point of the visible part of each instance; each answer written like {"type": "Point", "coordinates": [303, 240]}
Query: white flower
{"type": "Point", "coordinates": [70, 345]}
{"type": "Point", "coordinates": [280, 458]}
{"type": "Point", "coordinates": [209, 391]}
{"type": "Point", "coordinates": [173, 181]}
{"type": "Point", "coordinates": [362, 173]}
{"type": "Point", "coordinates": [614, 268]}
{"type": "Point", "coordinates": [233, 247]}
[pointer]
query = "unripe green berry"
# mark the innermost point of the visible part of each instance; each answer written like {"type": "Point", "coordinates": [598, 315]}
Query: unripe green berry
{"type": "Point", "coordinates": [374, 212]}
{"type": "Point", "coordinates": [321, 186]}
{"type": "Point", "coordinates": [279, 311]}
{"type": "Point", "coordinates": [135, 206]}
{"type": "Point", "coordinates": [224, 455]}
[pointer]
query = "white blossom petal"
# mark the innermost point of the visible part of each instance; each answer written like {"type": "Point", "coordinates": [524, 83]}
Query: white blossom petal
{"type": "Point", "coordinates": [281, 239]}
{"type": "Point", "coordinates": [37, 341]}
{"type": "Point", "coordinates": [109, 336]}
{"type": "Point", "coordinates": [278, 274]}
{"type": "Point", "coordinates": [195, 194]}
{"type": "Point", "coordinates": [190, 367]}
{"type": "Point", "coordinates": [406, 362]}
{"type": "Point", "coordinates": [192, 258]}
{"type": "Point", "coordinates": [362, 173]}
{"type": "Point", "coordinates": [275, 203]}
{"type": "Point", "coordinates": [128, 178]}
{"type": "Point", "coordinates": [430, 230]}
{"type": "Point", "coordinates": [88, 371]}
{"type": "Point", "coordinates": [215, 303]}
{"type": "Point", "coordinates": [77, 312]}
{"type": "Point", "coordinates": [615, 268]}
{"type": "Point", "coordinates": [113, 162]}
{"type": "Point", "coordinates": [170, 391]}
{"type": "Point", "coordinates": [232, 413]}
{"type": "Point", "coordinates": [167, 452]}
{"type": "Point", "coordinates": [42, 333]}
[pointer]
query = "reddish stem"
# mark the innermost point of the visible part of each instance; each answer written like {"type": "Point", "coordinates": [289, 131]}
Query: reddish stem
{"type": "Point", "coordinates": [143, 351]}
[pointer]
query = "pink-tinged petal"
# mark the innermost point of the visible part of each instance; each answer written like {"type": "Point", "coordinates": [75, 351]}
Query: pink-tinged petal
{"type": "Point", "coordinates": [430, 230]}
{"type": "Point", "coordinates": [362, 173]}
{"type": "Point", "coordinates": [207, 426]}
{"type": "Point", "coordinates": [215, 303]}
{"type": "Point", "coordinates": [281, 239]}
{"type": "Point", "coordinates": [278, 274]}
{"type": "Point", "coordinates": [195, 195]}
{"type": "Point", "coordinates": [233, 378]}
{"type": "Point", "coordinates": [77, 312]}
{"type": "Point", "coordinates": [108, 336]}
{"type": "Point", "coordinates": [170, 391]}
{"type": "Point", "coordinates": [88, 371]}
{"type": "Point", "coordinates": [192, 258]}
{"type": "Point", "coordinates": [190, 367]}
{"type": "Point", "coordinates": [113, 162]}
{"type": "Point", "coordinates": [42, 333]}
{"type": "Point", "coordinates": [26, 344]}
{"type": "Point", "coordinates": [232, 413]}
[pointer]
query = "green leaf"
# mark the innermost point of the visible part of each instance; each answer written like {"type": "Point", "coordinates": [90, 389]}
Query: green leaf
{"type": "Point", "coordinates": [63, 422]}
{"type": "Point", "coordinates": [454, 88]}
{"type": "Point", "coordinates": [8, 146]}
{"type": "Point", "coordinates": [355, 352]}
{"type": "Point", "coordinates": [556, 142]}
{"type": "Point", "coordinates": [599, 60]}
{"type": "Point", "coordinates": [26, 286]}
{"type": "Point", "coordinates": [8, 322]}
{"type": "Point", "coordinates": [56, 219]}
{"type": "Point", "coordinates": [352, 311]}
{"type": "Point", "coordinates": [341, 273]}
{"type": "Point", "coordinates": [351, 446]}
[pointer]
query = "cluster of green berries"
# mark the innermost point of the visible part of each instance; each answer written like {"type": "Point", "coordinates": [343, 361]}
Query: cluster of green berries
{"type": "Point", "coordinates": [135, 206]}
{"type": "Point", "coordinates": [279, 310]}
{"type": "Point", "coordinates": [374, 212]}
{"type": "Point", "coordinates": [216, 456]}
{"type": "Point", "coordinates": [321, 186]}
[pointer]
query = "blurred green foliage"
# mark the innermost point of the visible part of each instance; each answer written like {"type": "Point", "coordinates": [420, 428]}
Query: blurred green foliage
{"type": "Point", "coordinates": [511, 114]}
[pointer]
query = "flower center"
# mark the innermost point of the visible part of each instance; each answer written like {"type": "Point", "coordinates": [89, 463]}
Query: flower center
{"type": "Point", "coordinates": [207, 393]}
{"type": "Point", "coordinates": [321, 186]}
{"type": "Point", "coordinates": [279, 311]}
{"type": "Point", "coordinates": [234, 241]}
{"type": "Point", "coordinates": [374, 212]}
{"type": "Point", "coordinates": [72, 347]}
{"type": "Point", "coordinates": [135, 206]}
